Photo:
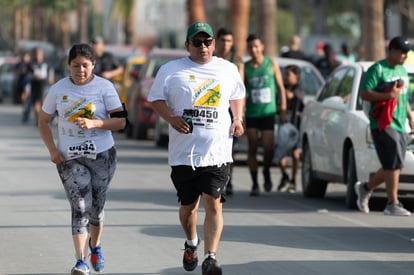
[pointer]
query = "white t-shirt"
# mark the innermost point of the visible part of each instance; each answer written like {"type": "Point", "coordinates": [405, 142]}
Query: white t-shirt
{"type": "Point", "coordinates": [207, 89]}
{"type": "Point", "coordinates": [93, 100]}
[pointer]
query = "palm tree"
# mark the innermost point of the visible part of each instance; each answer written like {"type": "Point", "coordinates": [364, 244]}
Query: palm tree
{"type": "Point", "coordinates": [267, 25]}
{"type": "Point", "coordinates": [125, 9]}
{"type": "Point", "coordinates": [238, 21]}
{"type": "Point", "coordinates": [196, 12]}
{"type": "Point", "coordinates": [373, 30]}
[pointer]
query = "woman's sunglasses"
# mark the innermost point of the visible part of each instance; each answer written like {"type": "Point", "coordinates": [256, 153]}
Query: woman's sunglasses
{"type": "Point", "coordinates": [197, 42]}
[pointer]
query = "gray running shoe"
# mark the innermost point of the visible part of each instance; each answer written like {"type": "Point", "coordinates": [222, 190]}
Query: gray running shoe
{"type": "Point", "coordinates": [396, 209]}
{"type": "Point", "coordinates": [362, 197]}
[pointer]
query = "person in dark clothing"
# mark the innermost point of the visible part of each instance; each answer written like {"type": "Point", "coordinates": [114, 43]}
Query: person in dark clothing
{"type": "Point", "coordinates": [22, 77]}
{"type": "Point", "coordinates": [295, 105]}
{"type": "Point", "coordinates": [294, 49]}
{"type": "Point", "coordinates": [328, 62]}
{"type": "Point", "coordinates": [106, 66]}
{"type": "Point", "coordinates": [41, 76]}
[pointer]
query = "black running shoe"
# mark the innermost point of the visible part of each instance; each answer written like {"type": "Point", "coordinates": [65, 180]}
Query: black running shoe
{"type": "Point", "coordinates": [255, 191]}
{"type": "Point", "coordinates": [190, 259]}
{"type": "Point", "coordinates": [283, 182]}
{"type": "Point", "coordinates": [267, 180]}
{"type": "Point", "coordinates": [210, 266]}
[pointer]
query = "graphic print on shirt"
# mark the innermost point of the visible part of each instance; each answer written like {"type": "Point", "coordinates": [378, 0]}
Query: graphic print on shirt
{"type": "Point", "coordinates": [79, 108]}
{"type": "Point", "coordinates": [206, 98]}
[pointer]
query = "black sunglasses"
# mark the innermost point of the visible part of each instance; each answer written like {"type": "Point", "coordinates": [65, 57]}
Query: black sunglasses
{"type": "Point", "coordinates": [197, 42]}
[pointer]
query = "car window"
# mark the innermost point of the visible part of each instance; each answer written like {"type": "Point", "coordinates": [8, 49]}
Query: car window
{"type": "Point", "coordinates": [309, 81]}
{"type": "Point", "coordinates": [332, 83]}
{"type": "Point", "coordinates": [345, 86]}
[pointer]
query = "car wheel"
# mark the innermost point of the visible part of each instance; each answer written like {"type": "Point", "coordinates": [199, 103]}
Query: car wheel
{"type": "Point", "coordinates": [311, 186]}
{"type": "Point", "coordinates": [350, 179]}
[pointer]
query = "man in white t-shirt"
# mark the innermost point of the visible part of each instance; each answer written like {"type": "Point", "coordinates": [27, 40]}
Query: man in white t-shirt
{"type": "Point", "coordinates": [193, 94]}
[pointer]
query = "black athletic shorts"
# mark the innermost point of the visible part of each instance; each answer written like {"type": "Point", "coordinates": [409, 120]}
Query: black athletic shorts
{"type": "Point", "coordinates": [261, 123]}
{"type": "Point", "coordinates": [190, 184]}
{"type": "Point", "coordinates": [390, 146]}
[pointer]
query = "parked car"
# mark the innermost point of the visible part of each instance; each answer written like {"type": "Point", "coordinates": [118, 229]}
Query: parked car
{"type": "Point", "coordinates": [311, 79]}
{"type": "Point", "coordinates": [337, 146]}
{"type": "Point", "coordinates": [140, 113]}
{"type": "Point", "coordinates": [7, 77]}
{"type": "Point", "coordinates": [131, 72]}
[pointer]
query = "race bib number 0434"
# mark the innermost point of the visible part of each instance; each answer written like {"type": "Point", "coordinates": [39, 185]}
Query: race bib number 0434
{"type": "Point", "coordinates": [85, 149]}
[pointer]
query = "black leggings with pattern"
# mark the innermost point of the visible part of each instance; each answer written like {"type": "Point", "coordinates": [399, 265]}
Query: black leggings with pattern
{"type": "Point", "coordinates": [86, 182]}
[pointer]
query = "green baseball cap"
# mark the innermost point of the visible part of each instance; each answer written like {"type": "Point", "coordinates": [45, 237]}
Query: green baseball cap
{"type": "Point", "coordinates": [198, 27]}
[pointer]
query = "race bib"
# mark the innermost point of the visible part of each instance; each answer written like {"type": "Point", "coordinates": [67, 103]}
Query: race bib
{"type": "Point", "coordinates": [206, 117]}
{"type": "Point", "coordinates": [85, 149]}
{"type": "Point", "coordinates": [262, 95]}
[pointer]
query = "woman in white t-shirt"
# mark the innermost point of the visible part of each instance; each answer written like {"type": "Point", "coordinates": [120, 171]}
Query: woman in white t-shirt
{"type": "Point", "coordinates": [88, 109]}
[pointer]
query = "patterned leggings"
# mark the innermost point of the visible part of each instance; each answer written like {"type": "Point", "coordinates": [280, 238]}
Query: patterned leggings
{"type": "Point", "coordinates": [86, 182]}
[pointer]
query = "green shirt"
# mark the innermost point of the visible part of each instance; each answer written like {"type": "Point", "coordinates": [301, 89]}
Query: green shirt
{"type": "Point", "coordinates": [261, 89]}
{"type": "Point", "coordinates": [383, 72]}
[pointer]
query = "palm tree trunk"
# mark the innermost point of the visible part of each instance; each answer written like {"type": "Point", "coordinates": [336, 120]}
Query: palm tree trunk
{"type": "Point", "coordinates": [17, 28]}
{"type": "Point", "coordinates": [373, 30]}
{"type": "Point", "coordinates": [267, 25]}
{"type": "Point", "coordinates": [196, 11]}
{"type": "Point", "coordinates": [83, 21]}
{"type": "Point", "coordinates": [239, 23]}
{"type": "Point", "coordinates": [65, 29]}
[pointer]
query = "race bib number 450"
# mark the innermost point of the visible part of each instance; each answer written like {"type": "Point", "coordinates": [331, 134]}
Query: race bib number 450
{"type": "Point", "coordinates": [84, 149]}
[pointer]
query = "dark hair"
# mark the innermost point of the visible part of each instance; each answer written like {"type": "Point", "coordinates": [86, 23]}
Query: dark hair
{"type": "Point", "coordinates": [345, 49]}
{"type": "Point", "coordinates": [294, 69]}
{"type": "Point", "coordinates": [81, 49]}
{"type": "Point", "coordinates": [252, 37]}
{"type": "Point", "coordinates": [223, 31]}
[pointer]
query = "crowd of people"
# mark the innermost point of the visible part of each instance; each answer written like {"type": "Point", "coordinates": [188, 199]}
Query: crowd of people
{"type": "Point", "coordinates": [209, 99]}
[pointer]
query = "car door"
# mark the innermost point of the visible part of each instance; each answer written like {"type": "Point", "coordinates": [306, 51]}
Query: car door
{"type": "Point", "coordinates": [338, 118]}
{"type": "Point", "coordinates": [329, 109]}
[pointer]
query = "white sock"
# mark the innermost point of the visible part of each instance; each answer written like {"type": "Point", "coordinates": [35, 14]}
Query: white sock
{"type": "Point", "coordinates": [211, 255]}
{"type": "Point", "coordinates": [193, 242]}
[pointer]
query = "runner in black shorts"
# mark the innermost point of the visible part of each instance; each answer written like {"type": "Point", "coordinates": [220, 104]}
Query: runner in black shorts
{"type": "Point", "coordinates": [264, 125]}
{"type": "Point", "coordinates": [190, 184]}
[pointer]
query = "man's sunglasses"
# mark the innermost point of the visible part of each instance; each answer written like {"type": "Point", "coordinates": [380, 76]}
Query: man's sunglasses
{"type": "Point", "coordinates": [197, 42]}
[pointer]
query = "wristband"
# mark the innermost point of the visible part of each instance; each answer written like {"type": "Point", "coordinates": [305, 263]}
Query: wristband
{"type": "Point", "coordinates": [238, 118]}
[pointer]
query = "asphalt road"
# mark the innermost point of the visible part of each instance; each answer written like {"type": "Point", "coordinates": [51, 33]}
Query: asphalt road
{"type": "Point", "coordinates": [276, 233]}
